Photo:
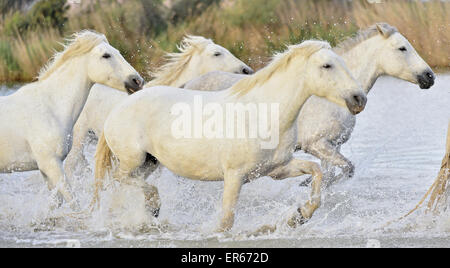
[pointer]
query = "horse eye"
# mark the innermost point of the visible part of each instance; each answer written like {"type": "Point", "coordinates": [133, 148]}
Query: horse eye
{"type": "Point", "coordinates": [327, 66]}
{"type": "Point", "coordinates": [217, 54]}
{"type": "Point", "coordinates": [106, 56]}
{"type": "Point", "coordinates": [402, 49]}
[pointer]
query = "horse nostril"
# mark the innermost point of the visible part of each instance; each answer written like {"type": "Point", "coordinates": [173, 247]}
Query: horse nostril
{"type": "Point", "coordinates": [247, 71]}
{"type": "Point", "coordinates": [360, 100]}
{"type": "Point", "coordinates": [137, 81]}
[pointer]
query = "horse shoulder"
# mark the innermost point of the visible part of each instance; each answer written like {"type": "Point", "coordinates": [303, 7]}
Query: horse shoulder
{"type": "Point", "coordinates": [320, 118]}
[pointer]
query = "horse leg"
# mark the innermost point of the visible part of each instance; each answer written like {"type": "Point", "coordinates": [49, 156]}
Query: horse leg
{"type": "Point", "coordinates": [52, 170]}
{"type": "Point", "coordinates": [232, 188]}
{"type": "Point", "coordinates": [134, 173]}
{"type": "Point", "coordinates": [76, 157]}
{"type": "Point", "coordinates": [330, 156]}
{"type": "Point", "coordinates": [152, 199]}
{"type": "Point", "coordinates": [328, 172]}
{"type": "Point", "coordinates": [295, 168]}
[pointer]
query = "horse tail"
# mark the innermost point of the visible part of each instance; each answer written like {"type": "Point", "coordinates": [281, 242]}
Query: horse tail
{"type": "Point", "coordinates": [103, 163]}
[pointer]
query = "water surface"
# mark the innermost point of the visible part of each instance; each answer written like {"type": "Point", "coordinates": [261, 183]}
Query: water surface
{"type": "Point", "coordinates": [397, 147]}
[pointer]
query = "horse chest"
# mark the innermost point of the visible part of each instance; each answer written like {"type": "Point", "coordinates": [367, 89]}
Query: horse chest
{"type": "Point", "coordinates": [54, 137]}
{"type": "Point", "coordinates": [341, 127]}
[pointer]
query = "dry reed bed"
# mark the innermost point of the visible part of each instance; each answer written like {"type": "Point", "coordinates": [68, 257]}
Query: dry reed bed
{"type": "Point", "coordinates": [251, 29]}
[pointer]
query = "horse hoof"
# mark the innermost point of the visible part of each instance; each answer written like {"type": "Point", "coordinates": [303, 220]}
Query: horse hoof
{"type": "Point", "coordinates": [306, 182]}
{"type": "Point", "coordinates": [155, 213]}
{"type": "Point", "coordinates": [297, 220]}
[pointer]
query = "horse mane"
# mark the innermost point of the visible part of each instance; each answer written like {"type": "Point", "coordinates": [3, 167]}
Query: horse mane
{"type": "Point", "coordinates": [362, 35]}
{"type": "Point", "coordinates": [79, 44]}
{"type": "Point", "coordinates": [280, 61]}
{"type": "Point", "coordinates": [176, 62]}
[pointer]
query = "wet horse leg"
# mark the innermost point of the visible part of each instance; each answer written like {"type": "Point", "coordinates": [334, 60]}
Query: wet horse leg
{"type": "Point", "coordinates": [133, 171]}
{"type": "Point", "coordinates": [152, 199]}
{"type": "Point", "coordinates": [52, 170]}
{"type": "Point", "coordinates": [330, 156]}
{"type": "Point", "coordinates": [76, 157]}
{"type": "Point", "coordinates": [232, 187]}
{"type": "Point", "coordinates": [297, 168]}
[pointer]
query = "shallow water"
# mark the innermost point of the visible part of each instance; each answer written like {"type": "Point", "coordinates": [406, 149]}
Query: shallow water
{"type": "Point", "coordinates": [397, 147]}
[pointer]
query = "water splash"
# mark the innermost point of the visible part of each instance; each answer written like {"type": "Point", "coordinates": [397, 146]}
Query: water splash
{"type": "Point", "coordinates": [397, 147]}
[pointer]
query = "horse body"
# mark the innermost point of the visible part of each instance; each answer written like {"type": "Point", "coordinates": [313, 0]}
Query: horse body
{"type": "Point", "coordinates": [317, 70]}
{"type": "Point", "coordinates": [45, 115]}
{"type": "Point", "coordinates": [197, 56]}
{"type": "Point", "coordinates": [324, 126]}
{"type": "Point", "coordinates": [37, 120]}
{"type": "Point", "coordinates": [214, 81]}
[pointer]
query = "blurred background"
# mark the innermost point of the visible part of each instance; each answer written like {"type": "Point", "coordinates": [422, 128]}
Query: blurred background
{"type": "Point", "coordinates": [142, 30]}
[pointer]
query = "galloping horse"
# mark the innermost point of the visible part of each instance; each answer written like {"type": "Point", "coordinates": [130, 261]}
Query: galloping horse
{"type": "Point", "coordinates": [137, 139]}
{"type": "Point", "coordinates": [324, 126]}
{"type": "Point", "coordinates": [197, 56]}
{"type": "Point", "coordinates": [36, 121]}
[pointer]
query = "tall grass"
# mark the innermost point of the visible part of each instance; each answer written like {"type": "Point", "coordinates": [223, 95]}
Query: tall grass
{"type": "Point", "coordinates": [251, 29]}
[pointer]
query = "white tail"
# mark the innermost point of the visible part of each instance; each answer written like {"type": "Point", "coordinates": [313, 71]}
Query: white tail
{"type": "Point", "coordinates": [103, 164]}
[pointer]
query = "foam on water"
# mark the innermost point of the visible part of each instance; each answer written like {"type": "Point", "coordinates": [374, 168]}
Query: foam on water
{"type": "Point", "coordinates": [397, 147]}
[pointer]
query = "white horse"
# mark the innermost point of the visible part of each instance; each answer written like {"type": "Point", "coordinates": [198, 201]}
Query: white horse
{"type": "Point", "coordinates": [197, 56]}
{"type": "Point", "coordinates": [133, 137]}
{"type": "Point", "coordinates": [36, 121]}
{"type": "Point", "coordinates": [324, 126]}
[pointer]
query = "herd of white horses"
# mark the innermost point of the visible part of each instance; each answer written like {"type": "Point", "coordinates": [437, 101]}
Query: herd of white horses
{"type": "Point", "coordinates": [89, 90]}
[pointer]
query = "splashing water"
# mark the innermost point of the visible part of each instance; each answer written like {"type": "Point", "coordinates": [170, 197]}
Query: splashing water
{"type": "Point", "coordinates": [397, 147]}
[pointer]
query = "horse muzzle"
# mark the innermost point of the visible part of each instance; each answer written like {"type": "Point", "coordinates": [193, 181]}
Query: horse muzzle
{"type": "Point", "coordinates": [356, 103]}
{"type": "Point", "coordinates": [134, 83]}
{"type": "Point", "coordinates": [426, 79]}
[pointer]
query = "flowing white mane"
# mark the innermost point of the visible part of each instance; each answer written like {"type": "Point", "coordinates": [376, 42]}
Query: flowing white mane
{"type": "Point", "coordinates": [79, 44]}
{"type": "Point", "coordinates": [363, 35]}
{"type": "Point", "coordinates": [176, 62]}
{"type": "Point", "coordinates": [279, 62]}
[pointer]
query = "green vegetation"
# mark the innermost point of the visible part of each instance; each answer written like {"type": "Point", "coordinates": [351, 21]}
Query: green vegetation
{"type": "Point", "coordinates": [43, 14]}
{"type": "Point", "coordinates": [251, 29]}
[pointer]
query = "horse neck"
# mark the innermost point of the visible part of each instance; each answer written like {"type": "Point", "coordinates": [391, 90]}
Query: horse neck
{"type": "Point", "coordinates": [188, 73]}
{"type": "Point", "coordinates": [280, 89]}
{"type": "Point", "coordinates": [67, 89]}
{"type": "Point", "coordinates": [176, 78]}
{"type": "Point", "coordinates": [361, 61]}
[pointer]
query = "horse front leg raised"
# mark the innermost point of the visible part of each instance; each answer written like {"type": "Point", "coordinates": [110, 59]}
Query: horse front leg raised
{"type": "Point", "coordinates": [295, 168]}
{"type": "Point", "coordinates": [330, 156]}
{"type": "Point", "coordinates": [232, 187]}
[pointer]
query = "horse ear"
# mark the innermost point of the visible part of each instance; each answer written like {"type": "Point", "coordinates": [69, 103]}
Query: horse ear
{"type": "Point", "coordinates": [382, 29]}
